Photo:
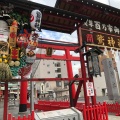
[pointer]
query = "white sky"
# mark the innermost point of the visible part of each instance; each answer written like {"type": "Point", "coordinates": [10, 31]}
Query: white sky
{"type": "Point", "coordinates": [46, 2]}
{"type": "Point", "coordinates": [114, 3]}
{"type": "Point", "coordinates": [67, 37]}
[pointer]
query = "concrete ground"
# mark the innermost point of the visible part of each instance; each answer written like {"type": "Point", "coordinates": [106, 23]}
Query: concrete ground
{"type": "Point", "coordinates": [15, 111]}
{"type": "Point", "coordinates": [113, 117]}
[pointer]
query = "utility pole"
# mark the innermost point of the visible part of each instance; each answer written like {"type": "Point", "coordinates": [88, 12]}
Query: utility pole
{"type": "Point", "coordinates": [109, 2]}
{"type": "Point", "coordinates": [34, 68]}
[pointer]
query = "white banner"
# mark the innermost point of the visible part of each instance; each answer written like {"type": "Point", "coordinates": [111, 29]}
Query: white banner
{"type": "Point", "coordinates": [90, 89]}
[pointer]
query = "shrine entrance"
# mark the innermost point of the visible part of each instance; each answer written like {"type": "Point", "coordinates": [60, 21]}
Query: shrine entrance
{"type": "Point", "coordinates": [87, 18]}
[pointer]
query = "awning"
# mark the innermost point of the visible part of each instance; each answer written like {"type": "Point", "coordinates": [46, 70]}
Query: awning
{"type": "Point", "coordinates": [3, 88]}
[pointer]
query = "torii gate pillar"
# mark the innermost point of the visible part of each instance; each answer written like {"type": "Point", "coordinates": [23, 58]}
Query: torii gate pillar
{"type": "Point", "coordinates": [23, 97]}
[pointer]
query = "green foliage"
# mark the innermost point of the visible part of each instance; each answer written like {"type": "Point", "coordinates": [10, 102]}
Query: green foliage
{"type": "Point", "coordinates": [20, 18]}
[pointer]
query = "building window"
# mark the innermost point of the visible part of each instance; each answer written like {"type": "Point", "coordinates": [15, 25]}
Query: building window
{"type": "Point", "coordinates": [47, 85]}
{"type": "Point", "coordinates": [57, 64]}
{"type": "Point", "coordinates": [66, 84]}
{"type": "Point", "coordinates": [48, 72]}
{"type": "Point", "coordinates": [48, 65]}
{"type": "Point", "coordinates": [58, 70]}
{"type": "Point", "coordinates": [58, 83]}
{"type": "Point", "coordinates": [59, 76]}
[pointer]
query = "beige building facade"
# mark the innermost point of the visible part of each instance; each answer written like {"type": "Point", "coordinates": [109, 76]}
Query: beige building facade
{"type": "Point", "coordinates": [51, 69]}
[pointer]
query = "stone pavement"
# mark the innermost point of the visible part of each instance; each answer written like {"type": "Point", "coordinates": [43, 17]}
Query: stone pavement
{"type": "Point", "coordinates": [15, 109]}
{"type": "Point", "coordinates": [113, 117]}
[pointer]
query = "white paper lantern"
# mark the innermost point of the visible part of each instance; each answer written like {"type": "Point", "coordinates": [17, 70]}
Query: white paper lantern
{"type": "Point", "coordinates": [35, 20]}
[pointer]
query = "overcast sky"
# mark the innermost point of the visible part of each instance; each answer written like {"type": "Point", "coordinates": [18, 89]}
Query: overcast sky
{"type": "Point", "coordinates": [114, 3]}
{"type": "Point", "coordinates": [67, 37]}
{"type": "Point", "coordinates": [46, 2]}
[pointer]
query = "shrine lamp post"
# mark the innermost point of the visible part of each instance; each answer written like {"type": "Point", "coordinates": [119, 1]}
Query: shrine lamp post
{"type": "Point", "coordinates": [93, 61]}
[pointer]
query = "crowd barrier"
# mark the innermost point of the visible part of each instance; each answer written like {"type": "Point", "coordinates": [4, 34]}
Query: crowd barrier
{"type": "Point", "coordinates": [29, 117]}
{"type": "Point", "coordinates": [54, 105]}
{"type": "Point", "coordinates": [114, 108]}
{"type": "Point", "coordinates": [97, 112]}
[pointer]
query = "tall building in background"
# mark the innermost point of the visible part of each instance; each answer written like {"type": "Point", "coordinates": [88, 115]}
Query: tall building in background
{"type": "Point", "coordinates": [51, 69]}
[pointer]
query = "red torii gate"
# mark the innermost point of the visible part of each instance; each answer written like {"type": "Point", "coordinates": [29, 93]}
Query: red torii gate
{"type": "Point", "coordinates": [68, 58]}
{"type": "Point", "coordinates": [88, 8]}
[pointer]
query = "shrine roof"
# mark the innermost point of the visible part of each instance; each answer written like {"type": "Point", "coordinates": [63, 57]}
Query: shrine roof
{"type": "Point", "coordinates": [53, 18]}
{"type": "Point", "coordinates": [94, 10]}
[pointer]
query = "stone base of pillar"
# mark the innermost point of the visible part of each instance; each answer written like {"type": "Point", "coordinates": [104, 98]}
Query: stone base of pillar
{"type": "Point", "coordinates": [22, 107]}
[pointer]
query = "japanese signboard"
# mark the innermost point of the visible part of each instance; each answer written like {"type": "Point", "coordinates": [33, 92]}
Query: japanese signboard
{"type": "Point", "coordinates": [49, 51]}
{"type": "Point", "coordinates": [90, 89]}
{"type": "Point", "coordinates": [13, 36]}
{"type": "Point", "coordinates": [95, 32]}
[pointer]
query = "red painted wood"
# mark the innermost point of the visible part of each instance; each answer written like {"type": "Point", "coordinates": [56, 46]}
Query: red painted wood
{"type": "Point", "coordinates": [70, 72]}
{"type": "Point", "coordinates": [13, 118]}
{"type": "Point", "coordinates": [29, 117]}
{"type": "Point", "coordinates": [5, 102]}
{"type": "Point", "coordinates": [98, 112]}
{"type": "Point", "coordinates": [83, 68]}
{"type": "Point", "coordinates": [78, 92]}
{"type": "Point", "coordinates": [23, 93]}
{"type": "Point", "coordinates": [19, 118]}
{"type": "Point", "coordinates": [57, 47]}
{"type": "Point", "coordinates": [9, 116]}
{"type": "Point", "coordinates": [47, 79]}
{"type": "Point", "coordinates": [32, 115]}
{"type": "Point", "coordinates": [57, 57]}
